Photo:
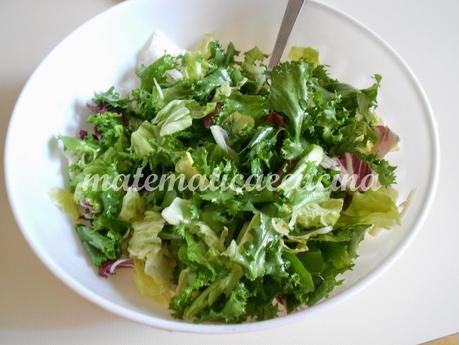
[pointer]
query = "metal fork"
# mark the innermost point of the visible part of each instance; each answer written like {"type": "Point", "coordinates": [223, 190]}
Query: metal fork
{"type": "Point", "coordinates": [290, 16]}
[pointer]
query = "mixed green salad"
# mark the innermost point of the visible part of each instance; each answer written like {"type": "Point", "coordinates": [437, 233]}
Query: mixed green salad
{"type": "Point", "coordinates": [215, 114]}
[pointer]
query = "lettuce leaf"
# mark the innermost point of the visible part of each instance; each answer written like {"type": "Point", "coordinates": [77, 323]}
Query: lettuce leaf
{"type": "Point", "coordinates": [132, 207]}
{"type": "Point", "coordinates": [251, 248]}
{"type": "Point", "coordinates": [145, 246]}
{"type": "Point", "coordinates": [100, 248]}
{"type": "Point", "coordinates": [179, 211]}
{"type": "Point", "coordinates": [156, 71]}
{"type": "Point", "coordinates": [319, 214]}
{"type": "Point", "coordinates": [222, 286]}
{"type": "Point", "coordinates": [289, 92]}
{"type": "Point", "coordinates": [309, 54]}
{"type": "Point", "coordinates": [142, 140]}
{"type": "Point", "coordinates": [63, 199]}
{"type": "Point", "coordinates": [373, 207]}
{"type": "Point", "coordinates": [147, 285]}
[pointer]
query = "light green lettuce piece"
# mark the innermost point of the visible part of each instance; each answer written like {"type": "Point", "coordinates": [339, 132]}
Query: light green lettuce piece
{"type": "Point", "coordinates": [291, 182]}
{"type": "Point", "coordinates": [241, 122]}
{"type": "Point", "coordinates": [141, 140]}
{"type": "Point", "coordinates": [194, 66]}
{"type": "Point", "coordinates": [145, 245]}
{"type": "Point", "coordinates": [63, 199]}
{"type": "Point", "coordinates": [203, 46]}
{"type": "Point", "coordinates": [249, 250]}
{"type": "Point", "coordinates": [301, 241]}
{"type": "Point", "coordinates": [147, 285]}
{"type": "Point", "coordinates": [78, 151]}
{"type": "Point", "coordinates": [145, 234]}
{"type": "Point", "coordinates": [253, 64]}
{"type": "Point", "coordinates": [177, 212]}
{"type": "Point", "coordinates": [309, 54]}
{"type": "Point", "coordinates": [373, 207]}
{"type": "Point", "coordinates": [225, 90]}
{"type": "Point", "coordinates": [281, 226]}
{"type": "Point", "coordinates": [177, 115]}
{"type": "Point", "coordinates": [132, 207]}
{"type": "Point", "coordinates": [319, 214]}
{"type": "Point", "coordinates": [174, 117]}
{"type": "Point", "coordinates": [185, 166]}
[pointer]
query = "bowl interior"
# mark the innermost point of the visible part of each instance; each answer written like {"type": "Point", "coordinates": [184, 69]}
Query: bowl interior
{"type": "Point", "coordinates": [102, 53]}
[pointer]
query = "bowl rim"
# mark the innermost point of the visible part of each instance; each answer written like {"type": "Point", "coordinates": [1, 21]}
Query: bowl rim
{"type": "Point", "coordinates": [179, 325]}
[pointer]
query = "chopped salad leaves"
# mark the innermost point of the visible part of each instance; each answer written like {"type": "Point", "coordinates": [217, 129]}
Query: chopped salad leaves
{"type": "Point", "coordinates": [231, 255]}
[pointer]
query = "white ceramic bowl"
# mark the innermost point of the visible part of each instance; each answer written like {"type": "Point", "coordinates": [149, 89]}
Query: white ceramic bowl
{"type": "Point", "coordinates": [102, 52]}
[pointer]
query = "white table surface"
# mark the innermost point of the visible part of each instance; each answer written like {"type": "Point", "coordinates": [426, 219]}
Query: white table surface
{"type": "Point", "coordinates": [415, 301]}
